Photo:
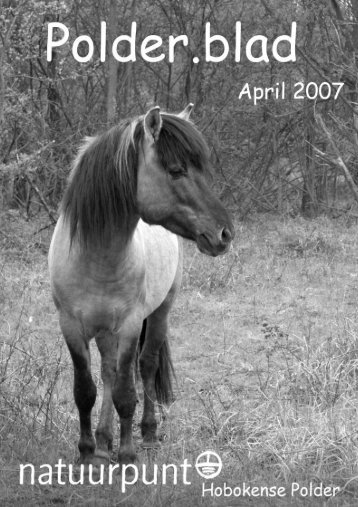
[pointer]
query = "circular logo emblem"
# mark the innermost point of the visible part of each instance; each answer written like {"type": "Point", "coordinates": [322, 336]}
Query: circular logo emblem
{"type": "Point", "coordinates": [208, 464]}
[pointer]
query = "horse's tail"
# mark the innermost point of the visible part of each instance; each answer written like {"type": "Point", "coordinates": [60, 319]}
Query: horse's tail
{"type": "Point", "coordinates": [164, 375]}
{"type": "Point", "coordinates": [140, 347]}
{"type": "Point", "coordinates": [165, 372]}
{"type": "Point", "coordinates": [141, 339]}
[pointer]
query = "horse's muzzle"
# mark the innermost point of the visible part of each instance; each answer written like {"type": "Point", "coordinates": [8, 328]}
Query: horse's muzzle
{"type": "Point", "coordinates": [215, 244]}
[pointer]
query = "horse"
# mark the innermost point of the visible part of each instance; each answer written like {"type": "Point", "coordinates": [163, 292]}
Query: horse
{"type": "Point", "coordinates": [115, 264]}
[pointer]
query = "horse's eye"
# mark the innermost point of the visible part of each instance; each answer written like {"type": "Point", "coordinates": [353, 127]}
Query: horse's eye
{"type": "Point", "coordinates": [177, 171]}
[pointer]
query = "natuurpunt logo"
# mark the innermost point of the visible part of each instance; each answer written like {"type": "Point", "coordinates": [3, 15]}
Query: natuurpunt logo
{"type": "Point", "coordinates": [207, 465]}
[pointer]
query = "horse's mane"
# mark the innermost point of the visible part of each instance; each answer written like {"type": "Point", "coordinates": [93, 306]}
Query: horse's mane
{"type": "Point", "coordinates": [101, 194]}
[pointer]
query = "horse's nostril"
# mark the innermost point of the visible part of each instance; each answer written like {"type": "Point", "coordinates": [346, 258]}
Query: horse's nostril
{"type": "Point", "coordinates": [226, 235]}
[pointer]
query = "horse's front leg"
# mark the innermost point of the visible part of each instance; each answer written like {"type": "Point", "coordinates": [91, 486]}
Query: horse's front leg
{"type": "Point", "coordinates": [107, 344]}
{"type": "Point", "coordinates": [124, 393]}
{"type": "Point", "coordinates": [84, 388]}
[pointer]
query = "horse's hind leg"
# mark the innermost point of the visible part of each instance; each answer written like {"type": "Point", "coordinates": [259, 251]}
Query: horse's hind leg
{"type": "Point", "coordinates": [107, 344]}
{"type": "Point", "coordinates": [84, 388]}
{"type": "Point", "coordinates": [155, 365]}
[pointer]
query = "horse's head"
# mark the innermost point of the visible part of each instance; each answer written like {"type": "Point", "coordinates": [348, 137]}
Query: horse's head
{"type": "Point", "coordinates": [172, 190]}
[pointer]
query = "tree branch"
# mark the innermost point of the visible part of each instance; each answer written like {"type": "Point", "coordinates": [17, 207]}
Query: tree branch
{"type": "Point", "coordinates": [339, 160]}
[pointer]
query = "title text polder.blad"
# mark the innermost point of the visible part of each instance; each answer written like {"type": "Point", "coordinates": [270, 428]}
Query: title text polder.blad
{"type": "Point", "coordinates": [258, 44]}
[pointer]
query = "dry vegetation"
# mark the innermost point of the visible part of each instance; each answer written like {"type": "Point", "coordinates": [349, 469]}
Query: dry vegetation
{"type": "Point", "coordinates": [264, 342]}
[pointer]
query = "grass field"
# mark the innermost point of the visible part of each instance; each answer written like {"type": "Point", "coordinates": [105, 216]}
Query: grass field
{"type": "Point", "coordinates": [265, 345]}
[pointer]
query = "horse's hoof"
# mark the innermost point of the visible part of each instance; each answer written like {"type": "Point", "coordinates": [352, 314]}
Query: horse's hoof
{"type": "Point", "coordinates": [151, 444]}
{"type": "Point", "coordinates": [126, 458]}
{"type": "Point", "coordinates": [85, 460]}
{"type": "Point", "coordinates": [101, 458]}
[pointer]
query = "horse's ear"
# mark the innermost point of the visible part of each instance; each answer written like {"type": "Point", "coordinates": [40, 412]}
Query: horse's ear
{"type": "Point", "coordinates": [185, 114]}
{"type": "Point", "coordinates": [153, 124]}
